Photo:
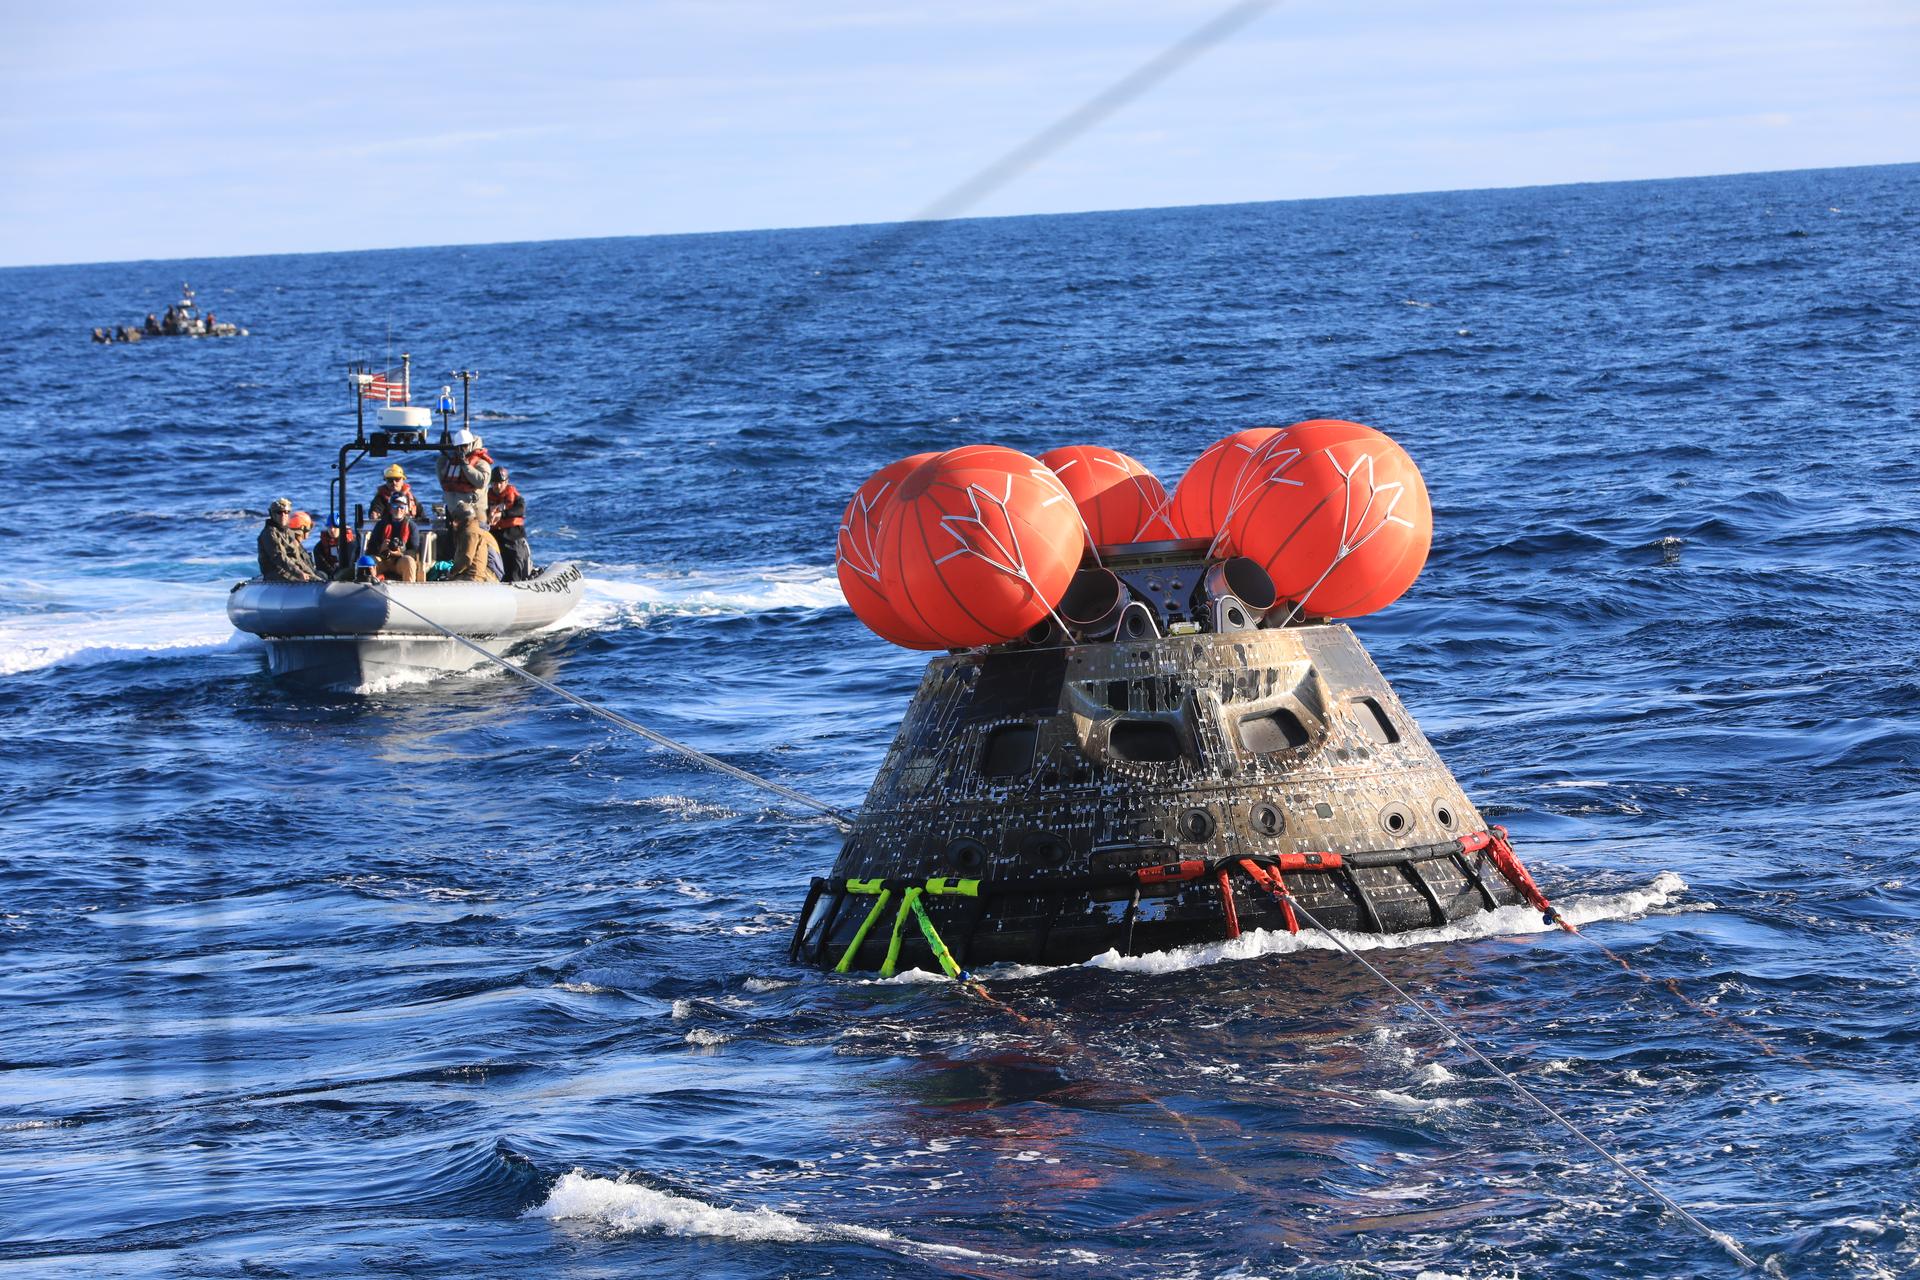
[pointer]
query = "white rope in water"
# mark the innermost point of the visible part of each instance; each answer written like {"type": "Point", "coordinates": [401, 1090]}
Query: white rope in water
{"type": "Point", "coordinates": [631, 726]}
{"type": "Point", "coordinates": [1724, 1241]}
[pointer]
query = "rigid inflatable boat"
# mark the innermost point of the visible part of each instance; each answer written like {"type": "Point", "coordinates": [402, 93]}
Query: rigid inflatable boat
{"type": "Point", "coordinates": [359, 630]}
{"type": "Point", "coordinates": [356, 634]}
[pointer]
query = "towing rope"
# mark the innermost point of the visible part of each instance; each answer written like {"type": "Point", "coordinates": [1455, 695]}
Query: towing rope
{"type": "Point", "coordinates": [654, 736]}
{"type": "Point", "coordinates": [1266, 873]}
{"type": "Point", "coordinates": [1726, 1242]}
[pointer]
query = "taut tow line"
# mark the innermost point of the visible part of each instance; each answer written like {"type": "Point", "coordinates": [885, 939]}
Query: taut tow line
{"type": "Point", "coordinates": [654, 736]}
{"type": "Point", "coordinates": [1726, 1242]}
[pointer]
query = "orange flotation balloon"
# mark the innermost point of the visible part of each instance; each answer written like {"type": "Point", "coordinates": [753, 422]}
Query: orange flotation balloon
{"type": "Point", "coordinates": [1208, 493]}
{"type": "Point", "coordinates": [856, 556]}
{"type": "Point", "coordinates": [1120, 500]}
{"type": "Point", "coordinates": [1338, 516]}
{"type": "Point", "coordinates": [979, 545]}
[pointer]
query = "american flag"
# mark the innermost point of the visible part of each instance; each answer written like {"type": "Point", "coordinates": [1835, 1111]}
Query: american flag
{"type": "Point", "coordinates": [385, 386]}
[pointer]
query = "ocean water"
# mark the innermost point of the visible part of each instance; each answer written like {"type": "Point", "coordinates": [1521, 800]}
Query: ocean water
{"type": "Point", "coordinates": [450, 980]}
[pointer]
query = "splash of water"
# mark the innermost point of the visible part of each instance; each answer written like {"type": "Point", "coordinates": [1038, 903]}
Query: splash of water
{"type": "Point", "coordinates": [620, 1207]}
{"type": "Point", "coordinates": [1505, 922]}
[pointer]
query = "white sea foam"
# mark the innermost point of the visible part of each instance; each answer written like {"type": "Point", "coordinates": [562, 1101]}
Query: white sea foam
{"type": "Point", "coordinates": [413, 679]}
{"type": "Point", "coordinates": [620, 1207]}
{"type": "Point", "coordinates": [86, 621]}
{"type": "Point", "coordinates": [636, 595]}
{"type": "Point", "coordinates": [1506, 922]}
{"type": "Point", "coordinates": [685, 808]}
{"type": "Point", "coordinates": [1410, 1103]}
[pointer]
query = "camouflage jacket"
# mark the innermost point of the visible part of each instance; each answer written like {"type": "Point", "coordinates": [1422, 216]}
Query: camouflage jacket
{"type": "Point", "coordinates": [282, 558]}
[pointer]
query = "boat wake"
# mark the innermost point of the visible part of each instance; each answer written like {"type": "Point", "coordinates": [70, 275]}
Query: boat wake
{"type": "Point", "coordinates": [90, 621]}
{"type": "Point", "coordinates": [651, 594]}
{"type": "Point", "coordinates": [617, 1206]}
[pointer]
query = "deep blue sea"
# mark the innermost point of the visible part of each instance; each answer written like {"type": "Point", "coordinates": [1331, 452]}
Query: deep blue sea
{"type": "Point", "coordinates": [454, 980]}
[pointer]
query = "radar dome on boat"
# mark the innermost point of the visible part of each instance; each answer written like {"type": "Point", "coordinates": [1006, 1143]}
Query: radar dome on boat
{"type": "Point", "coordinates": [404, 417]}
{"type": "Point", "coordinates": [979, 545]}
{"type": "Point", "coordinates": [1120, 500]}
{"type": "Point", "coordinates": [1337, 514]}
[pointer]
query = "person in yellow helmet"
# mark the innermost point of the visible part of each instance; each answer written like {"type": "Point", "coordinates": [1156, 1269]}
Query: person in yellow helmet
{"type": "Point", "coordinates": [394, 498]}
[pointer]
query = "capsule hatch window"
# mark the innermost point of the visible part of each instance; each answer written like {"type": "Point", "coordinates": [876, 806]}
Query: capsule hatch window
{"type": "Point", "coordinates": [1144, 741]}
{"type": "Point", "coordinates": [1374, 721]}
{"type": "Point", "coordinates": [1008, 751]}
{"type": "Point", "coordinates": [1271, 731]}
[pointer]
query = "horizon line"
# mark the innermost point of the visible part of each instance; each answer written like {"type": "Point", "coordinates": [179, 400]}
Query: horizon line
{"type": "Point", "coordinates": [973, 217]}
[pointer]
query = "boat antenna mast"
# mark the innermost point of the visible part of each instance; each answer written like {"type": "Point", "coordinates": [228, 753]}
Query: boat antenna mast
{"type": "Point", "coordinates": [466, 377]}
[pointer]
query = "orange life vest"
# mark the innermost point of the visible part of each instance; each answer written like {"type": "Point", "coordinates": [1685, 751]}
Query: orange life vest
{"type": "Point", "coordinates": [507, 497]}
{"type": "Point", "coordinates": [450, 468]}
{"type": "Point", "coordinates": [388, 493]}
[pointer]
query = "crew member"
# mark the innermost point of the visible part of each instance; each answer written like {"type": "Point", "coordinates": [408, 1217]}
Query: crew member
{"type": "Point", "coordinates": [302, 524]}
{"type": "Point", "coordinates": [281, 556]}
{"type": "Point", "coordinates": [465, 471]}
{"type": "Point", "coordinates": [334, 551]}
{"type": "Point", "coordinates": [390, 545]}
{"type": "Point", "coordinates": [394, 497]}
{"type": "Point", "coordinates": [476, 556]}
{"type": "Point", "coordinates": [507, 520]}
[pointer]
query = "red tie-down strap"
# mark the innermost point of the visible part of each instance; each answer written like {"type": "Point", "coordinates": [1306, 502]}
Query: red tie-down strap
{"type": "Point", "coordinates": [1227, 907]}
{"type": "Point", "coordinates": [1275, 886]}
{"type": "Point", "coordinates": [1268, 877]}
{"type": "Point", "coordinates": [1500, 853]}
{"type": "Point", "coordinates": [1172, 872]}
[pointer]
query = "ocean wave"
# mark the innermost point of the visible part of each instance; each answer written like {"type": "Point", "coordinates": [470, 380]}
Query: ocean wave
{"type": "Point", "coordinates": [621, 1207]}
{"type": "Point", "coordinates": [88, 621]}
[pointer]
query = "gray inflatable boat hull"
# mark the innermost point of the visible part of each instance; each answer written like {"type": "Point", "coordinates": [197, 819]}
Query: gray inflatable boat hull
{"type": "Point", "coordinates": [350, 635]}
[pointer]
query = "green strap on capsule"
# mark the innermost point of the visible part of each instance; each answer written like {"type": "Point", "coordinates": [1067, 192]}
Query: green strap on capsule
{"type": "Point", "coordinates": [934, 944]}
{"type": "Point", "coordinates": [866, 926]}
{"type": "Point", "coordinates": [910, 905]}
{"type": "Point", "coordinates": [908, 900]}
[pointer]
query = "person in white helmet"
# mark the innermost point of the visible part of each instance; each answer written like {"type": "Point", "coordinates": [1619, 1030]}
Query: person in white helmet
{"type": "Point", "coordinates": [466, 471]}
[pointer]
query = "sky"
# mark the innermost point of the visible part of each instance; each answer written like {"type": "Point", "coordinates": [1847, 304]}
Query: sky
{"type": "Point", "coordinates": [163, 131]}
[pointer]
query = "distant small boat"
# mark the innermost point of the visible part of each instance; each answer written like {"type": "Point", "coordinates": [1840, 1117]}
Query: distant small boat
{"type": "Point", "coordinates": [181, 320]}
